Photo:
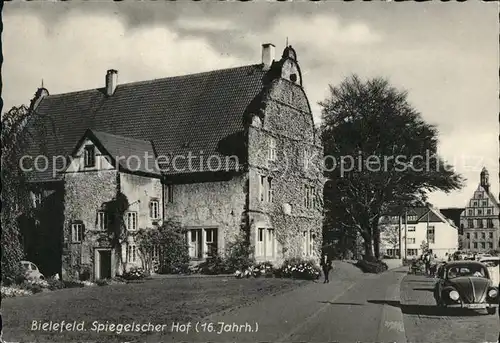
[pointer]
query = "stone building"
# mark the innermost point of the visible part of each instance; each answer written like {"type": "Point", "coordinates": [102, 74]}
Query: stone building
{"type": "Point", "coordinates": [479, 220]}
{"type": "Point", "coordinates": [228, 153]}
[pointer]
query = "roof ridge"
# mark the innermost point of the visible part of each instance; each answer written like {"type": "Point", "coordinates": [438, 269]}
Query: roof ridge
{"type": "Point", "coordinates": [134, 83]}
{"type": "Point", "coordinates": [120, 136]}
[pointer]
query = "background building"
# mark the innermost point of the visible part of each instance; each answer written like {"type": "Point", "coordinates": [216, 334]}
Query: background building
{"type": "Point", "coordinates": [479, 220]}
{"type": "Point", "coordinates": [425, 226]}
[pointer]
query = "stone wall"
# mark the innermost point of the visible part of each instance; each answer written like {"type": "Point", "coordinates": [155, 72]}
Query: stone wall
{"type": "Point", "coordinates": [288, 120]}
{"type": "Point", "coordinates": [218, 205]}
{"type": "Point", "coordinates": [85, 193]}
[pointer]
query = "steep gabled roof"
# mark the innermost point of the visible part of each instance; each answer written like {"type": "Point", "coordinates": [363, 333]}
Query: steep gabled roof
{"type": "Point", "coordinates": [198, 113]}
{"type": "Point", "coordinates": [132, 155]}
{"type": "Point", "coordinates": [453, 214]}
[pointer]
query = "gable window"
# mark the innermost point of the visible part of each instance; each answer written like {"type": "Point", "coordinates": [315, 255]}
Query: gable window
{"type": "Point", "coordinates": [485, 203]}
{"type": "Point", "coordinates": [412, 218]}
{"type": "Point", "coordinates": [470, 223]}
{"type": "Point", "coordinates": [77, 232]}
{"type": "Point", "coordinates": [102, 221]}
{"type": "Point", "coordinates": [154, 209]}
{"type": "Point", "coordinates": [169, 197]}
{"type": "Point", "coordinates": [131, 221]}
{"type": "Point", "coordinates": [307, 243]}
{"type": "Point", "coordinates": [470, 212]}
{"type": "Point", "coordinates": [488, 211]}
{"type": "Point", "coordinates": [131, 253]}
{"type": "Point", "coordinates": [89, 156]}
{"type": "Point", "coordinates": [264, 246]}
{"type": "Point", "coordinates": [272, 150]}
{"type": "Point", "coordinates": [431, 235]}
{"type": "Point", "coordinates": [474, 203]}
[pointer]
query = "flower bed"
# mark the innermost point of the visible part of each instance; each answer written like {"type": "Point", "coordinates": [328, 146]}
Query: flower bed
{"type": "Point", "coordinates": [294, 268]}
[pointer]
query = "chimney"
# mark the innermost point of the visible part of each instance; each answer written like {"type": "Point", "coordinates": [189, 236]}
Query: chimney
{"type": "Point", "coordinates": [111, 81]}
{"type": "Point", "coordinates": [267, 55]}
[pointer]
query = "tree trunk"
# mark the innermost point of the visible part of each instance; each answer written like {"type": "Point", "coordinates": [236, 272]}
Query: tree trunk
{"type": "Point", "coordinates": [367, 243]}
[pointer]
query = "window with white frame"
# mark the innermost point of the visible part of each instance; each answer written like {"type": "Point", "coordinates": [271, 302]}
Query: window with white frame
{"type": "Point", "coordinates": [154, 209]}
{"type": "Point", "coordinates": [485, 203]}
{"type": "Point", "coordinates": [210, 243]}
{"type": "Point", "coordinates": [411, 240]}
{"type": "Point", "coordinates": [272, 149]}
{"type": "Point", "coordinates": [77, 232]}
{"type": "Point", "coordinates": [131, 253]}
{"type": "Point", "coordinates": [269, 189]}
{"type": "Point", "coordinates": [470, 212]}
{"type": "Point", "coordinates": [411, 229]}
{"type": "Point", "coordinates": [202, 242]}
{"type": "Point", "coordinates": [262, 188]}
{"type": "Point", "coordinates": [307, 243]}
{"type": "Point", "coordinates": [131, 221]}
{"type": "Point", "coordinates": [264, 246]}
{"type": "Point", "coordinates": [102, 221]}
{"type": "Point", "coordinates": [412, 252]}
{"type": "Point", "coordinates": [309, 196]}
{"type": "Point", "coordinates": [431, 234]}
{"type": "Point", "coordinates": [412, 218]}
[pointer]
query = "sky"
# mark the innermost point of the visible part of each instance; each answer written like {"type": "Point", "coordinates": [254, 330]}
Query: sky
{"type": "Point", "coordinates": [444, 54]}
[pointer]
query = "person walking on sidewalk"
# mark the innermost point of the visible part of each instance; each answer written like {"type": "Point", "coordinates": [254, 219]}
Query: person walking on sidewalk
{"type": "Point", "coordinates": [326, 265]}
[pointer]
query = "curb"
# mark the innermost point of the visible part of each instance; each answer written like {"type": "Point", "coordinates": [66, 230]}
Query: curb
{"type": "Point", "coordinates": [193, 276]}
{"type": "Point", "coordinates": [391, 327]}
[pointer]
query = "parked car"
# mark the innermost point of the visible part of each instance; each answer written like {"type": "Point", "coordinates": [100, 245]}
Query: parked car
{"type": "Point", "coordinates": [466, 284]}
{"type": "Point", "coordinates": [31, 270]}
{"type": "Point", "coordinates": [492, 263]}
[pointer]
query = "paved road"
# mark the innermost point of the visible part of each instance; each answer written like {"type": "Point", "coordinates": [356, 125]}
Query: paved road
{"type": "Point", "coordinates": [424, 322]}
{"type": "Point", "coordinates": [348, 310]}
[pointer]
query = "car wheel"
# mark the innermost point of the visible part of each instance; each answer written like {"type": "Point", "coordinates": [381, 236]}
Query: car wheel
{"type": "Point", "coordinates": [491, 310]}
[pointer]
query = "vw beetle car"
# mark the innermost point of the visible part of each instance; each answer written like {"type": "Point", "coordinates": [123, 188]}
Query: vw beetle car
{"type": "Point", "coordinates": [31, 270]}
{"type": "Point", "coordinates": [466, 284]}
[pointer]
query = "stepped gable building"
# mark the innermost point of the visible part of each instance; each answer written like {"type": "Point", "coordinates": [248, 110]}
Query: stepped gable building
{"type": "Point", "coordinates": [480, 218]}
{"type": "Point", "coordinates": [228, 153]}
